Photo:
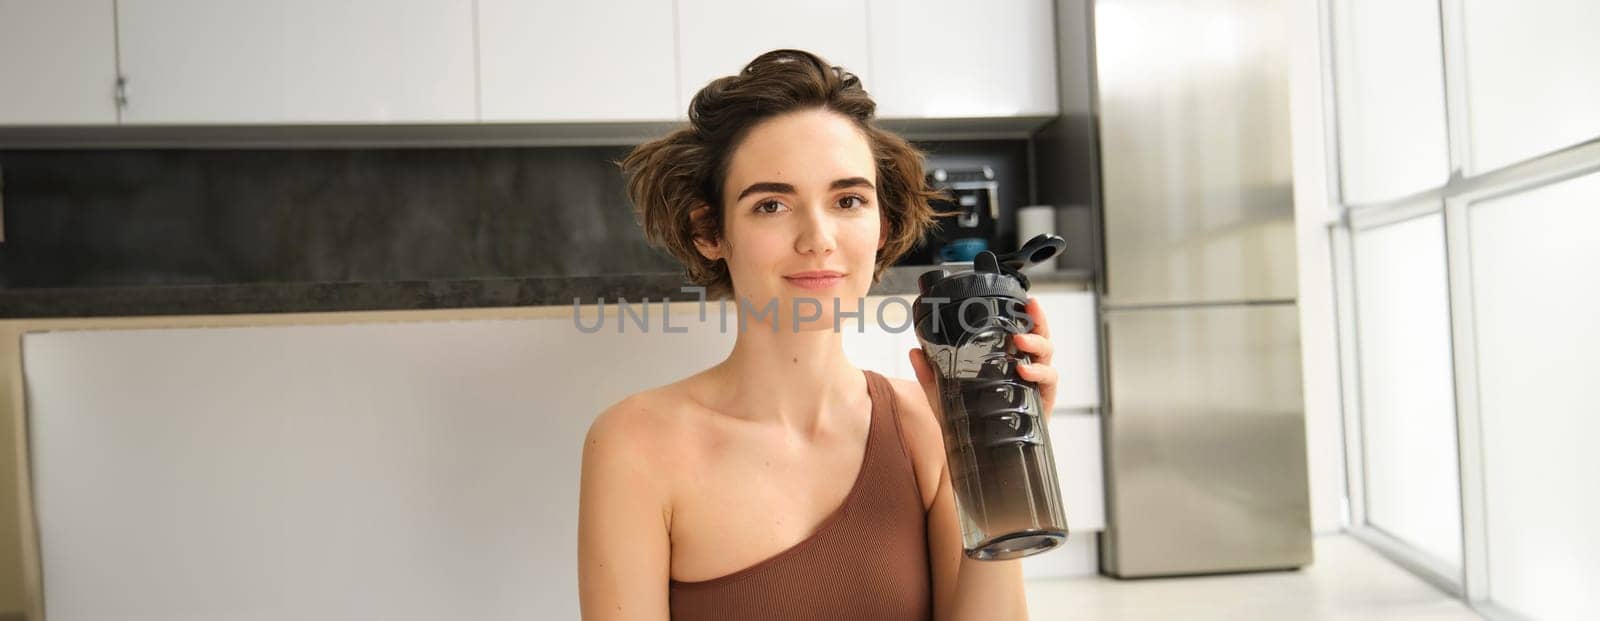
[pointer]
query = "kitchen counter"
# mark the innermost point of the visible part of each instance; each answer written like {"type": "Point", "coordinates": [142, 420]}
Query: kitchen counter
{"type": "Point", "coordinates": [124, 301]}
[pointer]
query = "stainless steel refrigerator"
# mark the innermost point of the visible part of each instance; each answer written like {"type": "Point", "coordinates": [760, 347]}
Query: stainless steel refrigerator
{"type": "Point", "coordinates": [1174, 140]}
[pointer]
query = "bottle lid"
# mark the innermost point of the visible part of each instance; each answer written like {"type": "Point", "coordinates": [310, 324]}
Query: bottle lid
{"type": "Point", "coordinates": [991, 275]}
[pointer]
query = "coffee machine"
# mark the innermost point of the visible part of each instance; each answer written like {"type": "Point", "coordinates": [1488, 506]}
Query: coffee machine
{"type": "Point", "coordinates": [974, 195]}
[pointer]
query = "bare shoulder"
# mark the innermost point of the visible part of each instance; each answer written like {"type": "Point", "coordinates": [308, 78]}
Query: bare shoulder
{"type": "Point", "coordinates": [624, 510]}
{"type": "Point", "coordinates": [635, 418]}
{"type": "Point", "coordinates": [923, 436]}
{"type": "Point", "coordinates": [619, 440]}
{"type": "Point", "coordinates": [642, 435]}
{"type": "Point", "coordinates": [640, 427]}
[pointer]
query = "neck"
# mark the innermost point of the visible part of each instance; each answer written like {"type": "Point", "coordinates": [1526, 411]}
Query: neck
{"type": "Point", "coordinates": [801, 381]}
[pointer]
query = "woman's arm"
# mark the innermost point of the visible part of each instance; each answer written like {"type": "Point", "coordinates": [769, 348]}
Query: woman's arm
{"type": "Point", "coordinates": [624, 553]}
{"type": "Point", "coordinates": [970, 589]}
{"type": "Point", "coordinates": [962, 588]}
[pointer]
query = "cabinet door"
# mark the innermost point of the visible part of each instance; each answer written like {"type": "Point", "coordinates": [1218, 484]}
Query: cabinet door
{"type": "Point", "coordinates": [1071, 319]}
{"type": "Point", "coordinates": [550, 60]}
{"type": "Point", "coordinates": [297, 61]}
{"type": "Point", "coordinates": [1075, 444]}
{"type": "Point", "coordinates": [952, 59]}
{"type": "Point", "coordinates": [58, 63]}
{"type": "Point", "coordinates": [718, 37]}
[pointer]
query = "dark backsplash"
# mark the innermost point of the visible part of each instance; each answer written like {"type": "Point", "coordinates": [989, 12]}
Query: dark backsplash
{"type": "Point", "coordinates": [78, 218]}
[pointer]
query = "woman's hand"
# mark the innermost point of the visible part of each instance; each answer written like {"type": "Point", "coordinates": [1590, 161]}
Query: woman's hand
{"type": "Point", "coordinates": [1036, 345]}
{"type": "Point", "coordinates": [1041, 351]}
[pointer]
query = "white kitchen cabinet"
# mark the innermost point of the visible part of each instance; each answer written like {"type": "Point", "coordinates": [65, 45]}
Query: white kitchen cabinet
{"type": "Point", "coordinates": [554, 60]}
{"type": "Point", "coordinates": [1075, 444]}
{"type": "Point", "coordinates": [955, 59]}
{"type": "Point", "coordinates": [1070, 317]}
{"type": "Point", "coordinates": [370, 62]}
{"type": "Point", "coordinates": [58, 62]}
{"type": "Point", "coordinates": [719, 37]}
{"type": "Point", "coordinates": [297, 61]}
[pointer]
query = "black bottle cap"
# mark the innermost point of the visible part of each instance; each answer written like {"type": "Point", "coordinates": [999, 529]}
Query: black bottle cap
{"type": "Point", "coordinates": [986, 279]}
{"type": "Point", "coordinates": [927, 279]}
{"type": "Point", "coordinates": [992, 274]}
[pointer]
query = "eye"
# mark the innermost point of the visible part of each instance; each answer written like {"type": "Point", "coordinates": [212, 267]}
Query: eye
{"type": "Point", "coordinates": [761, 206]}
{"type": "Point", "coordinates": [858, 201]}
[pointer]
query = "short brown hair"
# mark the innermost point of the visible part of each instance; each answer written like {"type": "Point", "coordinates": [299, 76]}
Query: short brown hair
{"type": "Point", "coordinates": [669, 177]}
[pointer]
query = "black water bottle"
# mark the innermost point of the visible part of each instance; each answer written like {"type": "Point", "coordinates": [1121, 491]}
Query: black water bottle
{"type": "Point", "coordinates": [1001, 466]}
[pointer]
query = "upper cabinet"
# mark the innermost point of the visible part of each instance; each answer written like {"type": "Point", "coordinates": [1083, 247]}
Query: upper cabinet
{"type": "Point", "coordinates": [718, 37]}
{"type": "Point", "coordinates": [956, 59]}
{"type": "Point", "coordinates": [456, 62]}
{"type": "Point", "coordinates": [297, 61]}
{"type": "Point", "coordinates": [558, 60]}
{"type": "Point", "coordinates": [58, 62]}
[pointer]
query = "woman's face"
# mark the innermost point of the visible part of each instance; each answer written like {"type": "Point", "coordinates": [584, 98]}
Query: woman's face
{"type": "Point", "coordinates": [800, 197]}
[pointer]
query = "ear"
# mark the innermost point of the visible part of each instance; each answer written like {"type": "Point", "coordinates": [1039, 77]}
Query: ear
{"type": "Point", "coordinates": [711, 250]}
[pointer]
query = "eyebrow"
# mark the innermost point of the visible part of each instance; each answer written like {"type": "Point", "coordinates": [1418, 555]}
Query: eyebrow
{"type": "Point", "coordinates": [784, 188]}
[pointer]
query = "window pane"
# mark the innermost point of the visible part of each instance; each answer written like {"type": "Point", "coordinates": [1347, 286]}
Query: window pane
{"type": "Point", "coordinates": [1535, 297]}
{"type": "Point", "coordinates": [1390, 86]}
{"type": "Point", "coordinates": [1407, 386]}
{"type": "Point", "coordinates": [1532, 83]}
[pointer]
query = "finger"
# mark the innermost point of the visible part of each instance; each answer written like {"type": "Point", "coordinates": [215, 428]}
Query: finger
{"type": "Point", "coordinates": [1046, 377]}
{"type": "Point", "coordinates": [918, 365]}
{"type": "Point", "coordinates": [1038, 348]}
{"type": "Point", "coordinates": [1038, 373]}
{"type": "Point", "coordinates": [924, 370]}
{"type": "Point", "coordinates": [1041, 326]}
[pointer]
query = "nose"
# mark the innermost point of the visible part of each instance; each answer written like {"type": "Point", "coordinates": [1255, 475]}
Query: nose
{"type": "Point", "coordinates": [817, 235]}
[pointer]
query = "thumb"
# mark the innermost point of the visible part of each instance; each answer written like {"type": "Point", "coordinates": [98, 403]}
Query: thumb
{"type": "Point", "coordinates": [925, 376]}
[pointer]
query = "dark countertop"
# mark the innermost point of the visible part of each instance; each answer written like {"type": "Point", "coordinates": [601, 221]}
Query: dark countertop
{"type": "Point", "coordinates": [129, 301]}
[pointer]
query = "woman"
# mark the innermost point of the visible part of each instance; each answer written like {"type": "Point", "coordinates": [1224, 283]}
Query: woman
{"type": "Point", "coordinates": [784, 482]}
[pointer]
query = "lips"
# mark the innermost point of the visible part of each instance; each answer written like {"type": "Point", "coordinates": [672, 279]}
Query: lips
{"type": "Point", "coordinates": [815, 274]}
{"type": "Point", "coordinates": [815, 279]}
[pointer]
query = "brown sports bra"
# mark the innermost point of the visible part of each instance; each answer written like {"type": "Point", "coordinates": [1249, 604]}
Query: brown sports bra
{"type": "Point", "coordinates": [867, 560]}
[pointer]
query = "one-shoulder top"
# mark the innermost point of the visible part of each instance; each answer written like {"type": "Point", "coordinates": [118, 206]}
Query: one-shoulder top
{"type": "Point", "coordinates": [867, 560]}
